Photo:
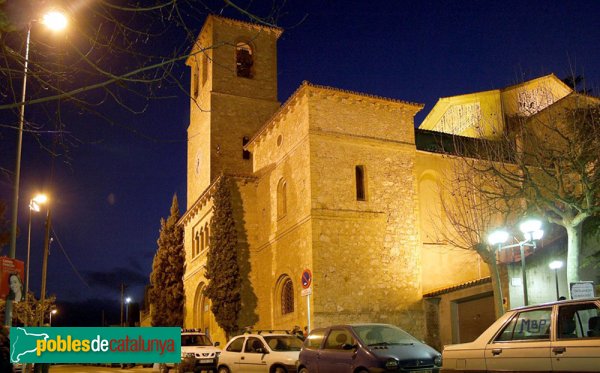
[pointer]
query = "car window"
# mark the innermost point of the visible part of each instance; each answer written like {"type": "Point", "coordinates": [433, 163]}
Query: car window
{"type": "Point", "coordinates": [338, 338]}
{"type": "Point", "coordinates": [254, 346]}
{"type": "Point", "coordinates": [527, 325]}
{"type": "Point", "coordinates": [314, 339]}
{"type": "Point", "coordinates": [578, 321]}
{"type": "Point", "coordinates": [236, 345]}
{"type": "Point", "coordinates": [284, 342]}
{"type": "Point", "coordinates": [195, 340]}
{"type": "Point", "coordinates": [376, 334]}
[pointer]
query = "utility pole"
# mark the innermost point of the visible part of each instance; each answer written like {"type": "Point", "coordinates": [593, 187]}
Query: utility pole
{"type": "Point", "coordinates": [45, 266]}
{"type": "Point", "coordinates": [122, 300]}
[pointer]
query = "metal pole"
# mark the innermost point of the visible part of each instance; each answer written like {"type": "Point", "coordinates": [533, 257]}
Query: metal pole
{"type": "Point", "coordinates": [122, 299]}
{"type": "Point", "coordinates": [308, 311]}
{"type": "Point", "coordinates": [45, 265]}
{"type": "Point", "coordinates": [556, 280]}
{"type": "Point", "coordinates": [523, 274]}
{"type": "Point", "coordinates": [15, 207]}
{"type": "Point", "coordinates": [28, 251]}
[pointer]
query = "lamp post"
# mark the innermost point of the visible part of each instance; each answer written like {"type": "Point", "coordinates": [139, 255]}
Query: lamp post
{"type": "Point", "coordinates": [53, 312]}
{"type": "Point", "coordinates": [127, 301]}
{"type": "Point", "coordinates": [55, 21]}
{"type": "Point", "coordinates": [34, 205]}
{"type": "Point", "coordinates": [556, 265]}
{"type": "Point", "coordinates": [532, 232]}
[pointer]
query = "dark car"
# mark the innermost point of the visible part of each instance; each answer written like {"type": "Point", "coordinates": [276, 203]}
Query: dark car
{"type": "Point", "coordinates": [366, 348]}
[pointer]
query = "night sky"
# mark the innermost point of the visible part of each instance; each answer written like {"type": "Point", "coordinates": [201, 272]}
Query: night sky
{"type": "Point", "coordinates": [109, 197]}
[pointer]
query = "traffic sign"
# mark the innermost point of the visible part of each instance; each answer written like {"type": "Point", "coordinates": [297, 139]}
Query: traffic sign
{"type": "Point", "coordinates": [306, 292]}
{"type": "Point", "coordinates": [306, 278]}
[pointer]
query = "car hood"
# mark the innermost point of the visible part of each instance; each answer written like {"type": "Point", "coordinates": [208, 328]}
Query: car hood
{"type": "Point", "coordinates": [412, 351]}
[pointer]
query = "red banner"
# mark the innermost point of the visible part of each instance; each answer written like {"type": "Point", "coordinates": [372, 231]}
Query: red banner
{"type": "Point", "coordinates": [11, 279]}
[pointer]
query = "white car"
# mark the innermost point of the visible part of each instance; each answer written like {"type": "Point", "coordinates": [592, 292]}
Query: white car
{"type": "Point", "coordinates": [262, 351]}
{"type": "Point", "coordinates": [553, 337]}
{"type": "Point", "coordinates": [197, 345]}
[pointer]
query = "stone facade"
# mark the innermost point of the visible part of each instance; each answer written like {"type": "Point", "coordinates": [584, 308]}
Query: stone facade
{"type": "Point", "coordinates": [335, 184]}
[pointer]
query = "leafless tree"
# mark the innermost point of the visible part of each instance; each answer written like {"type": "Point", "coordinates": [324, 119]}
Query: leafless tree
{"type": "Point", "coordinates": [548, 163]}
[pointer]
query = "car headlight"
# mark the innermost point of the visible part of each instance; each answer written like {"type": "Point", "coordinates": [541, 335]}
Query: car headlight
{"type": "Point", "coordinates": [392, 364]}
{"type": "Point", "coordinates": [438, 360]}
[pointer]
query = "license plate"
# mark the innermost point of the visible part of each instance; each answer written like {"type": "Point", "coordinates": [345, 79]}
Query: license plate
{"type": "Point", "coordinates": [206, 361]}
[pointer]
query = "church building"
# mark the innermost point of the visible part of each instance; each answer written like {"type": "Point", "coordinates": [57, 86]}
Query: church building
{"type": "Point", "coordinates": [334, 182]}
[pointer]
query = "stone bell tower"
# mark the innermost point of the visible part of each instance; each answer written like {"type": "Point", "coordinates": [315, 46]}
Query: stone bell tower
{"type": "Point", "coordinates": [233, 93]}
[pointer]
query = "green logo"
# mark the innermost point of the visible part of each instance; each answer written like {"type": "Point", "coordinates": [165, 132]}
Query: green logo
{"type": "Point", "coordinates": [95, 345]}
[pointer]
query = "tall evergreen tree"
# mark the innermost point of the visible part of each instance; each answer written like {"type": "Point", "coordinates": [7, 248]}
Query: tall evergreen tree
{"type": "Point", "coordinates": [167, 295]}
{"type": "Point", "coordinates": [222, 267]}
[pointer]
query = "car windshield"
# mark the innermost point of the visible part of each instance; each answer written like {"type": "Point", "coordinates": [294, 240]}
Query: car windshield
{"type": "Point", "coordinates": [195, 340]}
{"type": "Point", "coordinates": [284, 342]}
{"type": "Point", "coordinates": [373, 335]}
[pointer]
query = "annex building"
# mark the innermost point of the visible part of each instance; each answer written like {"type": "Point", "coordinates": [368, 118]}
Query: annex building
{"type": "Point", "coordinates": [333, 181]}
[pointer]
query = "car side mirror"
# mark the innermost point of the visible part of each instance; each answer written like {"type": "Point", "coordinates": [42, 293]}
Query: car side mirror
{"type": "Point", "coordinates": [348, 346]}
{"type": "Point", "coordinates": [217, 344]}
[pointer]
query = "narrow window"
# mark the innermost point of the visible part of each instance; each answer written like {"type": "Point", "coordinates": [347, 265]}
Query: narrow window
{"type": "Point", "coordinates": [202, 239]}
{"type": "Point", "coordinates": [204, 68]}
{"type": "Point", "coordinates": [196, 245]}
{"type": "Point", "coordinates": [245, 153]}
{"type": "Point", "coordinates": [206, 236]}
{"type": "Point", "coordinates": [360, 183]}
{"type": "Point", "coordinates": [287, 297]}
{"type": "Point", "coordinates": [195, 74]}
{"type": "Point", "coordinates": [281, 198]}
{"type": "Point", "coordinates": [244, 60]}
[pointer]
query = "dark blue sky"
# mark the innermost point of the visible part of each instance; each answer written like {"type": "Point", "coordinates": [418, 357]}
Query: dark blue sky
{"type": "Point", "coordinates": [109, 199]}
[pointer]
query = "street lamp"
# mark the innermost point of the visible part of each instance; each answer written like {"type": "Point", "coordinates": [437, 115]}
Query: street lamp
{"type": "Point", "coordinates": [556, 265]}
{"type": "Point", "coordinates": [53, 312]}
{"type": "Point", "coordinates": [52, 20]}
{"type": "Point", "coordinates": [127, 301]}
{"type": "Point", "coordinates": [532, 231]}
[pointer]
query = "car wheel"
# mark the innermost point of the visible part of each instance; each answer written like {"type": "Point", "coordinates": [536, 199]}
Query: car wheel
{"type": "Point", "coordinates": [223, 370]}
{"type": "Point", "coordinates": [279, 370]}
{"type": "Point", "coordinates": [303, 370]}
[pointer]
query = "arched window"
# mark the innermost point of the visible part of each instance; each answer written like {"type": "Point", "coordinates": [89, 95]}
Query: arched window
{"type": "Point", "coordinates": [201, 239]}
{"type": "Point", "coordinates": [244, 60]}
{"type": "Point", "coordinates": [206, 236]}
{"type": "Point", "coordinates": [195, 244]}
{"type": "Point", "coordinates": [281, 198]}
{"type": "Point", "coordinates": [287, 296]}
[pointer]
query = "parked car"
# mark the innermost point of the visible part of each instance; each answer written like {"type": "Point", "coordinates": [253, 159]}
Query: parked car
{"type": "Point", "coordinates": [366, 348]}
{"type": "Point", "coordinates": [197, 349]}
{"type": "Point", "coordinates": [261, 351]}
{"type": "Point", "coordinates": [551, 337]}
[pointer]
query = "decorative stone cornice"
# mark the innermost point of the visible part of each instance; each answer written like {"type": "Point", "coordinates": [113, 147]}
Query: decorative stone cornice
{"type": "Point", "coordinates": [307, 88]}
{"type": "Point", "coordinates": [249, 25]}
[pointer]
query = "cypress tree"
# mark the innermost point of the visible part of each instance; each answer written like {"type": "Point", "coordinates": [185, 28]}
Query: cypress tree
{"type": "Point", "coordinates": [167, 295]}
{"type": "Point", "coordinates": [222, 268]}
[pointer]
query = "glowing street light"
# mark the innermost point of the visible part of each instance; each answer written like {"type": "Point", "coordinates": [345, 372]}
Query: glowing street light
{"type": "Point", "coordinates": [53, 312]}
{"type": "Point", "coordinates": [556, 265]}
{"type": "Point", "coordinates": [532, 231]}
{"type": "Point", "coordinates": [53, 20]}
